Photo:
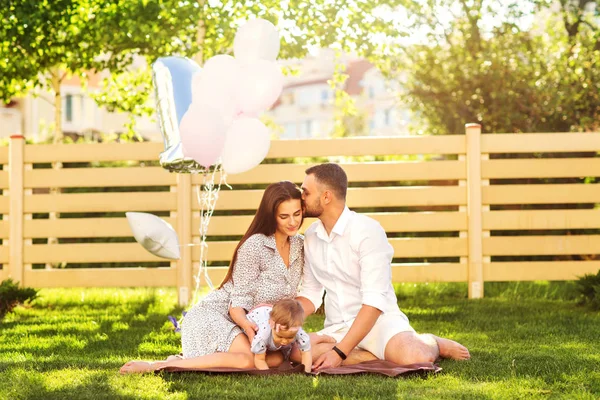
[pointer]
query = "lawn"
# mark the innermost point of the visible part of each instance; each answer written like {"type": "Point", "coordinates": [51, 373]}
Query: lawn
{"type": "Point", "coordinates": [527, 341]}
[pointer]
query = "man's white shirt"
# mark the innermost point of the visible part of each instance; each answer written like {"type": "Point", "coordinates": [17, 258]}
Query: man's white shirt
{"type": "Point", "coordinates": [353, 264]}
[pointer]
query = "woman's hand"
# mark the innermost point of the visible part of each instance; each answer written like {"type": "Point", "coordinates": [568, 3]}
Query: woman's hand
{"type": "Point", "coordinates": [249, 329]}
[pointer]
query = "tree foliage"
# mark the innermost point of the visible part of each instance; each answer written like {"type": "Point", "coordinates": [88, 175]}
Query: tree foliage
{"type": "Point", "coordinates": [43, 42]}
{"type": "Point", "coordinates": [514, 66]}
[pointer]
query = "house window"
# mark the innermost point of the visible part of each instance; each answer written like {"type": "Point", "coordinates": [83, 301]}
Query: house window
{"type": "Point", "coordinates": [388, 117]}
{"type": "Point", "coordinates": [69, 108]}
{"type": "Point", "coordinates": [325, 96]}
{"type": "Point", "coordinates": [371, 92]}
{"type": "Point", "coordinates": [309, 126]}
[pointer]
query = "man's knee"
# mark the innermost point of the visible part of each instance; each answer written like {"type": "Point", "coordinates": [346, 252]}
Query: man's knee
{"type": "Point", "coordinates": [409, 348]}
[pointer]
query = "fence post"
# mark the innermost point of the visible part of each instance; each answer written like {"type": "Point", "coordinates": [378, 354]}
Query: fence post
{"type": "Point", "coordinates": [184, 231]}
{"type": "Point", "coordinates": [474, 211]}
{"type": "Point", "coordinates": [15, 187]}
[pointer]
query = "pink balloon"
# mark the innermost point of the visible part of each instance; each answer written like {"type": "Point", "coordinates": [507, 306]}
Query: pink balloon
{"type": "Point", "coordinates": [202, 131]}
{"type": "Point", "coordinates": [259, 87]}
{"type": "Point", "coordinates": [247, 144]}
{"type": "Point", "coordinates": [216, 85]}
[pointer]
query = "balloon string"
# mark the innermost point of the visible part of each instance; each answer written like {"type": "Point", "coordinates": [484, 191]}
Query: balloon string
{"type": "Point", "coordinates": [207, 198]}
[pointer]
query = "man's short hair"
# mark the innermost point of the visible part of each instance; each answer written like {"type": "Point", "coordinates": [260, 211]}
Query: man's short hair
{"type": "Point", "coordinates": [332, 176]}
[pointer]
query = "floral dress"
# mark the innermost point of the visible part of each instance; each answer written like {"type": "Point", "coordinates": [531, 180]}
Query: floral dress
{"type": "Point", "coordinates": [259, 276]}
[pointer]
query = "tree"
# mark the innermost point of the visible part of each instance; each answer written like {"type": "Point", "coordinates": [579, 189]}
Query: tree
{"type": "Point", "coordinates": [486, 64]}
{"type": "Point", "coordinates": [46, 41]}
{"type": "Point", "coordinates": [348, 25]}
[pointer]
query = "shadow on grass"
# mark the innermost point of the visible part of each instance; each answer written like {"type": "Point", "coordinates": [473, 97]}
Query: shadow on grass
{"type": "Point", "coordinates": [88, 337]}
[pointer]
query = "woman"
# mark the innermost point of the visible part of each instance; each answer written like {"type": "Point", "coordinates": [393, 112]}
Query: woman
{"type": "Point", "coordinates": [266, 267]}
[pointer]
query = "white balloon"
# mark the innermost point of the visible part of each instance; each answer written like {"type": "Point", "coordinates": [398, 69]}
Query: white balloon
{"type": "Point", "coordinates": [216, 85]}
{"type": "Point", "coordinates": [155, 234]}
{"type": "Point", "coordinates": [256, 39]}
{"type": "Point", "coordinates": [246, 145]}
{"type": "Point", "coordinates": [259, 87]}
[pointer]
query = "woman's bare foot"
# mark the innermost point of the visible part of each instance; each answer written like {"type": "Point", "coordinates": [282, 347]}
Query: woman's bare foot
{"type": "Point", "coordinates": [451, 349]}
{"type": "Point", "coordinates": [175, 357]}
{"type": "Point", "coordinates": [133, 367]}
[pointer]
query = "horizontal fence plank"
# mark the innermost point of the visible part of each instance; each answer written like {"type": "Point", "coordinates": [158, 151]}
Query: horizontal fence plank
{"type": "Point", "coordinates": [3, 179]}
{"type": "Point", "coordinates": [357, 197]}
{"type": "Point", "coordinates": [541, 194]}
{"type": "Point", "coordinates": [540, 245]}
{"type": "Point", "coordinates": [92, 152]}
{"type": "Point", "coordinates": [101, 202]}
{"type": "Point", "coordinates": [98, 177]}
{"type": "Point", "coordinates": [540, 168]}
{"type": "Point", "coordinates": [357, 172]}
{"type": "Point", "coordinates": [540, 142]}
{"type": "Point", "coordinates": [391, 222]}
{"type": "Point", "coordinates": [88, 253]}
{"type": "Point", "coordinates": [368, 146]}
{"type": "Point", "coordinates": [416, 247]}
{"type": "Point", "coordinates": [435, 272]}
{"type": "Point", "coordinates": [225, 225]}
{"type": "Point", "coordinates": [538, 271]}
{"type": "Point", "coordinates": [449, 144]}
{"type": "Point", "coordinates": [541, 219]}
{"type": "Point", "coordinates": [98, 277]}
{"type": "Point", "coordinates": [81, 227]}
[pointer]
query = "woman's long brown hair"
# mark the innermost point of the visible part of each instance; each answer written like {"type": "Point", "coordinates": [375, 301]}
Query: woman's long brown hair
{"type": "Point", "coordinates": [265, 220]}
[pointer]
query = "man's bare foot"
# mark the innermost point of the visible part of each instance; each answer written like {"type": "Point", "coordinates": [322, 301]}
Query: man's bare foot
{"type": "Point", "coordinates": [451, 349]}
{"type": "Point", "coordinates": [133, 367]}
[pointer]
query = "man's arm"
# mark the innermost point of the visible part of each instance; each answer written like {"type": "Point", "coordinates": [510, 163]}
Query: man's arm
{"type": "Point", "coordinates": [375, 257]}
{"type": "Point", "coordinates": [362, 325]}
{"type": "Point", "coordinates": [311, 293]}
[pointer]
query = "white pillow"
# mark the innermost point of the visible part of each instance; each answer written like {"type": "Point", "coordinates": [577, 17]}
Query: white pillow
{"type": "Point", "coordinates": [155, 234]}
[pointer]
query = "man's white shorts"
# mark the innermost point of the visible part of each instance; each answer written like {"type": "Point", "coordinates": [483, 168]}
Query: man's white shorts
{"type": "Point", "coordinates": [385, 328]}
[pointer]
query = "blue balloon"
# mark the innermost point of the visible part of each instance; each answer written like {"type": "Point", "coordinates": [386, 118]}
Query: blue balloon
{"type": "Point", "coordinates": [182, 70]}
{"type": "Point", "coordinates": [172, 77]}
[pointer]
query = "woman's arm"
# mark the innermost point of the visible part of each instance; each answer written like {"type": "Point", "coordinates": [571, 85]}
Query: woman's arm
{"type": "Point", "coordinates": [238, 315]}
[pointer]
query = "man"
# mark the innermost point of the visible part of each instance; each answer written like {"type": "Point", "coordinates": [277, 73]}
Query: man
{"type": "Point", "coordinates": [347, 256]}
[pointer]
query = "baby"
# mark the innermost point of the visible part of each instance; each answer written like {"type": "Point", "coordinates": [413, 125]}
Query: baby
{"type": "Point", "coordinates": [279, 326]}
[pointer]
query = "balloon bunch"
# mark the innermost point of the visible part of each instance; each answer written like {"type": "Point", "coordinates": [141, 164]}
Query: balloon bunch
{"type": "Point", "coordinates": [209, 116]}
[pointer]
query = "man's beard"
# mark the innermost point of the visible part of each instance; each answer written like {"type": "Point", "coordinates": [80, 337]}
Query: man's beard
{"type": "Point", "coordinates": [313, 212]}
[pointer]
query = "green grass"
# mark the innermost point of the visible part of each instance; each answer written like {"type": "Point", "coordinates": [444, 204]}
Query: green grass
{"type": "Point", "coordinates": [526, 340]}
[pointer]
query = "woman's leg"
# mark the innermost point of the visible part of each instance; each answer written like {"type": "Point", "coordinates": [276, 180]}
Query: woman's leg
{"type": "Point", "coordinates": [238, 356]}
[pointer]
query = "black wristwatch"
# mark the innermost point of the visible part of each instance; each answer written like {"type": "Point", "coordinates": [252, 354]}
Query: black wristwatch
{"type": "Point", "coordinates": [339, 352]}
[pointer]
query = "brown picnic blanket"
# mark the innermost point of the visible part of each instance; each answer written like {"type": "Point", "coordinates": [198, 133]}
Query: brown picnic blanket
{"type": "Point", "coordinates": [368, 367]}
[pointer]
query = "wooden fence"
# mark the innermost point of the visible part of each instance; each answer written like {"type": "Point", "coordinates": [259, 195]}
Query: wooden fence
{"type": "Point", "coordinates": [454, 209]}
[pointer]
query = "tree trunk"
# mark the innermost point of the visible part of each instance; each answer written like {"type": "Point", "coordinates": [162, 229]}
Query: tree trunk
{"type": "Point", "coordinates": [57, 138]}
{"type": "Point", "coordinates": [200, 34]}
{"type": "Point", "coordinates": [56, 81]}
